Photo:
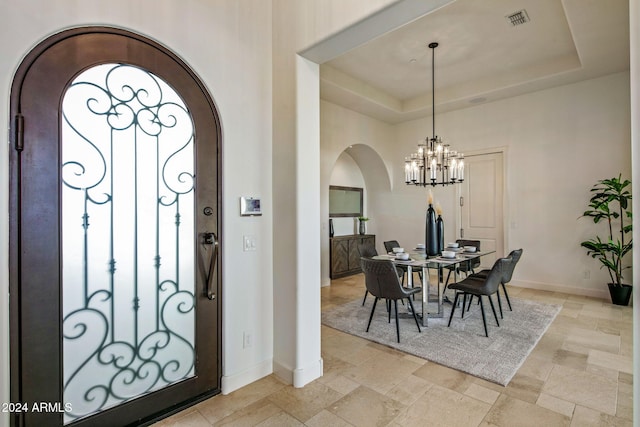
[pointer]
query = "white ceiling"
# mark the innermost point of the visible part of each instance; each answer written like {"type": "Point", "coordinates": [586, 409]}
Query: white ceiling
{"type": "Point", "coordinates": [481, 56]}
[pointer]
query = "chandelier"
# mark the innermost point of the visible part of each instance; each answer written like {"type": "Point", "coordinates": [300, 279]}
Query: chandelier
{"type": "Point", "coordinates": [435, 163]}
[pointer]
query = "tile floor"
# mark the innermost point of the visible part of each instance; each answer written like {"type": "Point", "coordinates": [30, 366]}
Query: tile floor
{"type": "Point", "coordinates": [579, 374]}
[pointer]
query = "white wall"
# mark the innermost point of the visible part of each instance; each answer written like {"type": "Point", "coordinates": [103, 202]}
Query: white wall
{"type": "Point", "coordinates": [228, 44]}
{"type": "Point", "coordinates": [559, 142]}
{"type": "Point", "coordinates": [296, 201]}
{"type": "Point", "coordinates": [634, 24]}
{"type": "Point", "coordinates": [341, 128]}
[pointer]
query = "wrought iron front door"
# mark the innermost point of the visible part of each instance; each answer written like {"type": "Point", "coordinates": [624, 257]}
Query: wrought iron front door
{"type": "Point", "coordinates": [116, 205]}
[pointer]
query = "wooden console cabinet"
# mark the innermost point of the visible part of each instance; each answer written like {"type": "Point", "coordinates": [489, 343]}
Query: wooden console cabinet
{"type": "Point", "coordinates": [344, 253]}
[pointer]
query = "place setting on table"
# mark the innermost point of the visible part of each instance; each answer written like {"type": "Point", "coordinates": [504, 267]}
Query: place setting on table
{"type": "Point", "coordinates": [453, 251]}
{"type": "Point", "coordinates": [418, 257]}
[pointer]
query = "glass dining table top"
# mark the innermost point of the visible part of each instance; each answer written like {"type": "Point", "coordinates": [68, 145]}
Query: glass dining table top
{"type": "Point", "coordinates": [433, 290]}
{"type": "Point", "coordinates": [419, 258]}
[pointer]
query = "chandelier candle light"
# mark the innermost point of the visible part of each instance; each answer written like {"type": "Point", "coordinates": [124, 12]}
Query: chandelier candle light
{"type": "Point", "coordinates": [435, 163]}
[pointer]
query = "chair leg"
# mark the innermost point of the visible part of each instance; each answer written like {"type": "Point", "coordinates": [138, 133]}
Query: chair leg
{"type": "Point", "coordinates": [453, 308]}
{"type": "Point", "coordinates": [499, 303]}
{"type": "Point", "coordinates": [469, 306]}
{"type": "Point", "coordinates": [389, 310]}
{"type": "Point", "coordinates": [493, 309]}
{"type": "Point", "coordinates": [414, 314]}
{"type": "Point", "coordinates": [504, 288]}
{"type": "Point", "coordinates": [447, 282]}
{"type": "Point", "coordinates": [372, 310]}
{"type": "Point", "coordinates": [395, 303]}
{"type": "Point", "coordinates": [365, 297]}
{"type": "Point", "coordinates": [484, 319]}
{"type": "Point", "coordinates": [464, 302]}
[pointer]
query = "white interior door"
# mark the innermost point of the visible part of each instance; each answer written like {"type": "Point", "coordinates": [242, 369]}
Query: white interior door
{"type": "Point", "coordinates": [481, 204]}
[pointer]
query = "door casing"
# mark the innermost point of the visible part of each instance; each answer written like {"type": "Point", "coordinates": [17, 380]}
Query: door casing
{"type": "Point", "coordinates": [494, 235]}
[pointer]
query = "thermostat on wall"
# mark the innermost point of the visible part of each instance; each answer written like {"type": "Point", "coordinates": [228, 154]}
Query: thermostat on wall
{"type": "Point", "coordinates": [250, 206]}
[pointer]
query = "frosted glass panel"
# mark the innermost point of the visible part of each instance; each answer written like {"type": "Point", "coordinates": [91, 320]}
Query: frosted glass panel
{"type": "Point", "coordinates": [128, 238]}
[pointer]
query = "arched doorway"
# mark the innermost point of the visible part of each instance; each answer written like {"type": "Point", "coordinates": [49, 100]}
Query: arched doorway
{"type": "Point", "coordinates": [115, 203]}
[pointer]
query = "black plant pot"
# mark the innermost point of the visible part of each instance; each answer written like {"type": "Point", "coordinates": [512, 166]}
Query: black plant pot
{"type": "Point", "coordinates": [620, 295]}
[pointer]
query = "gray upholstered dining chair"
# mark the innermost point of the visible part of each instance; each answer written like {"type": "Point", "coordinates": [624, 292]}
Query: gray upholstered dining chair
{"type": "Point", "coordinates": [476, 286]}
{"type": "Point", "coordinates": [515, 257]}
{"type": "Point", "coordinates": [388, 246]}
{"type": "Point", "coordinates": [367, 251]}
{"type": "Point", "coordinates": [382, 281]}
{"type": "Point", "coordinates": [465, 267]}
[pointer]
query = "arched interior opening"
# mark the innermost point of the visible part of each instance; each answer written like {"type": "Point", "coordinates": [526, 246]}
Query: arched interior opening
{"type": "Point", "coordinates": [361, 166]}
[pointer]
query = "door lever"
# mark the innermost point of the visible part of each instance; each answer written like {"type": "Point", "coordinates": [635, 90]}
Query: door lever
{"type": "Point", "coordinates": [211, 239]}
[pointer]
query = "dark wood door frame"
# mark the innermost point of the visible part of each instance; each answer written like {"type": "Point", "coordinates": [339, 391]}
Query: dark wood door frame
{"type": "Point", "coordinates": [30, 289]}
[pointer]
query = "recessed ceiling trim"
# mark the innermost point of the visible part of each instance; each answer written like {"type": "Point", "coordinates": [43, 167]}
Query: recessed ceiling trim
{"type": "Point", "coordinates": [375, 25]}
{"type": "Point", "coordinates": [567, 43]}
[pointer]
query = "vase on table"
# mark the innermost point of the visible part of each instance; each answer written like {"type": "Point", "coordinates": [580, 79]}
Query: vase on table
{"type": "Point", "coordinates": [431, 232]}
{"type": "Point", "coordinates": [363, 227]}
{"type": "Point", "coordinates": [440, 233]}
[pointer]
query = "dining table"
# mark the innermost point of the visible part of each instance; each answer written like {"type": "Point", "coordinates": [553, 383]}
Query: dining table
{"type": "Point", "coordinates": [432, 292]}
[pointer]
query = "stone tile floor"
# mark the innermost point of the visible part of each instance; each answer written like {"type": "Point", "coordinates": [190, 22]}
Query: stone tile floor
{"type": "Point", "coordinates": [579, 374]}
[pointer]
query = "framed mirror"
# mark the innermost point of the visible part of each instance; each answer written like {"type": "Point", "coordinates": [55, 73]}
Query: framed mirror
{"type": "Point", "coordinates": [345, 201]}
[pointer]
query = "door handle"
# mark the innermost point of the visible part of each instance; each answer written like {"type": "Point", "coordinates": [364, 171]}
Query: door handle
{"type": "Point", "coordinates": [211, 239]}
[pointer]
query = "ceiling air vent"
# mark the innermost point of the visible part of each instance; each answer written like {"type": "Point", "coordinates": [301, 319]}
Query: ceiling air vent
{"type": "Point", "coordinates": [518, 18]}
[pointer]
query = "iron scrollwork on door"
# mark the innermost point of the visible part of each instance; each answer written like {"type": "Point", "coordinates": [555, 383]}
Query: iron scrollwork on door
{"type": "Point", "coordinates": [128, 238]}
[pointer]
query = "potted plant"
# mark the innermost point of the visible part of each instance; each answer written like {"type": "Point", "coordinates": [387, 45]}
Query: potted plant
{"type": "Point", "coordinates": [363, 220]}
{"type": "Point", "coordinates": [611, 202]}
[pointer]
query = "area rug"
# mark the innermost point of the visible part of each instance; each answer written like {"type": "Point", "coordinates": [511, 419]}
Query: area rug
{"type": "Point", "coordinates": [463, 346]}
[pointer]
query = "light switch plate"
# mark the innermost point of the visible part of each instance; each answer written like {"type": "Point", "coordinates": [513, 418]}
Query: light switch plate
{"type": "Point", "coordinates": [248, 243]}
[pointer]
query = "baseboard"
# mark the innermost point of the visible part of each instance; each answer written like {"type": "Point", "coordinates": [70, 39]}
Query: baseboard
{"type": "Point", "coordinates": [234, 382]}
{"type": "Point", "coordinates": [573, 290]}
{"type": "Point", "coordinates": [283, 372]}
{"type": "Point", "coordinates": [304, 376]}
{"type": "Point", "coordinates": [301, 376]}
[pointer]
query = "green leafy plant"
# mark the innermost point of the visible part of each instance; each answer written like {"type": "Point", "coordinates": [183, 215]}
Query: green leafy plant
{"type": "Point", "coordinates": [363, 218]}
{"type": "Point", "coordinates": [611, 202]}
